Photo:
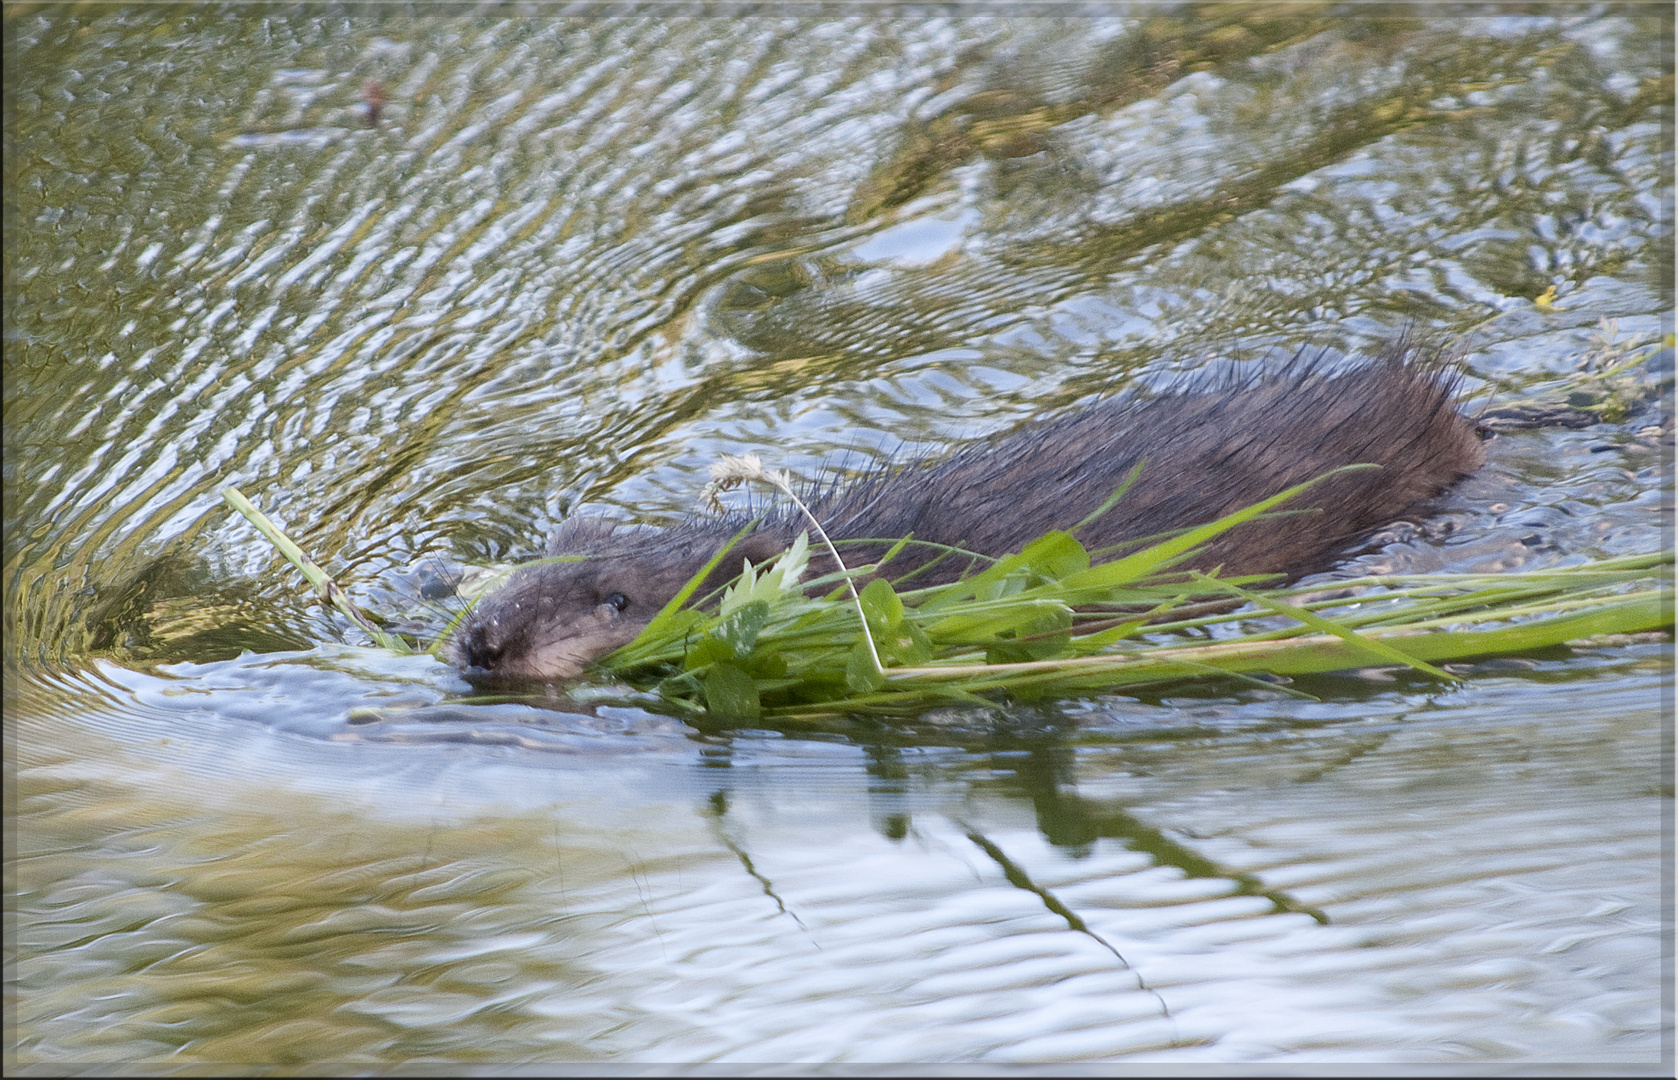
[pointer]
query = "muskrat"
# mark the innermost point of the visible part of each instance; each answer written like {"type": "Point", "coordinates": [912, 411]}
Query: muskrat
{"type": "Point", "coordinates": [1205, 453]}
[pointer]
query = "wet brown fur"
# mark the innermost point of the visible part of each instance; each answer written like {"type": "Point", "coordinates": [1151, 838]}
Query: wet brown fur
{"type": "Point", "coordinates": [1206, 452]}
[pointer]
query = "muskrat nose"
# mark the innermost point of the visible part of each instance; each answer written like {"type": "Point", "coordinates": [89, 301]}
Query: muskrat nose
{"type": "Point", "coordinates": [477, 650]}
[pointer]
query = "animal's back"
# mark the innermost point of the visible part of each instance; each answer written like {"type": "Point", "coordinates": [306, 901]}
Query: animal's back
{"type": "Point", "coordinates": [1204, 453]}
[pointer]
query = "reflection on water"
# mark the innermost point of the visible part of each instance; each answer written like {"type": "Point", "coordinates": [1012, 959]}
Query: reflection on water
{"type": "Point", "coordinates": [1412, 876]}
{"type": "Point", "coordinates": [573, 259]}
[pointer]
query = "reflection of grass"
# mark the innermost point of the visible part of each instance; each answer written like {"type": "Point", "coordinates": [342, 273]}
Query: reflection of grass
{"type": "Point", "coordinates": [1046, 623]}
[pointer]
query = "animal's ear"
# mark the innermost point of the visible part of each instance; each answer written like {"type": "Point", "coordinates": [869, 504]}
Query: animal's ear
{"type": "Point", "coordinates": [759, 547]}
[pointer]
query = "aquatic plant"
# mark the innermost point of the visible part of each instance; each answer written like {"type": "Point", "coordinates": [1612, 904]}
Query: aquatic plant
{"type": "Point", "coordinates": [1054, 620]}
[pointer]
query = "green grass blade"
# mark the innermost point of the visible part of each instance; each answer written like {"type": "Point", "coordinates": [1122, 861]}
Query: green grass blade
{"type": "Point", "coordinates": [323, 583]}
{"type": "Point", "coordinates": [1325, 626]}
{"type": "Point", "coordinates": [1162, 555]}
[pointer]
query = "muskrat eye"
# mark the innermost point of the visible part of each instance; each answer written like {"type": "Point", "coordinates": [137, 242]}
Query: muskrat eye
{"type": "Point", "coordinates": [618, 600]}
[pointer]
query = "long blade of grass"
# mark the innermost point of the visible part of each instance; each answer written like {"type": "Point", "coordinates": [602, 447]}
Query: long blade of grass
{"type": "Point", "coordinates": [1325, 626]}
{"type": "Point", "coordinates": [1125, 485]}
{"type": "Point", "coordinates": [1162, 555]}
{"type": "Point", "coordinates": [1326, 652]}
{"type": "Point", "coordinates": [323, 583]}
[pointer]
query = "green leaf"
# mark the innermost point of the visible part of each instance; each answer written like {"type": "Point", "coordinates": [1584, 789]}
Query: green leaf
{"type": "Point", "coordinates": [1055, 555]}
{"type": "Point", "coordinates": [792, 655]}
{"type": "Point", "coordinates": [731, 692]}
{"type": "Point", "coordinates": [1047, 638]}
{"type": "Point", "coordinates": [765, 666]}
{"type": "Point", "coordinates": [891, 552]}
{"type": "Point", "coordinates": [1002, 577]}
{"type": "Point", "coordinates": [741, 628]}
{"type": "Point", "coordinates": [329, 589]}
{"type": "Point", "coordinates": [706, 651]}
{"type": "Point", "coordinates": [1130, 479]}
{"type": "Point", "coordinates": [881, 605]}
{"type": "Point", "coordinates": [859, 670]}
{"type": "Point", "coordinates": [996, 619]}
{"type": "Point", "coordinates": [1110, 635]}
{"type": "Point", "coordinates": [770, 582]}
{"type": "Point", "coordinates": [904, 645]}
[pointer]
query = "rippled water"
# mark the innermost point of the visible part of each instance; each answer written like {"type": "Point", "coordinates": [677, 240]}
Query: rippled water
{"type": "Point", "coordinates": [566, 262]}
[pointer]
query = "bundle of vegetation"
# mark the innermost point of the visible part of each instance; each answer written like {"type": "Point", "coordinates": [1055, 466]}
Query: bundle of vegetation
{"type": "Point", "coordinates": [1049, 622]}
{"type": "Point", "coordinates": [1130, 542]}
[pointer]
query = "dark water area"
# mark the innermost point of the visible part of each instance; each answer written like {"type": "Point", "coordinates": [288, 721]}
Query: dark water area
{"type": "Point", "coordinates": [424, 284]}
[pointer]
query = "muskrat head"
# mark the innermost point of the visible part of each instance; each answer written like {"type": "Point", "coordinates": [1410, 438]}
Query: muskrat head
{"type": "Point", "coordinates": [549, 620]}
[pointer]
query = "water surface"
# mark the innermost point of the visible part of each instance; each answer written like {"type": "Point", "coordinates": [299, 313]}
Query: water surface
{"type": "Point", "coordinates": [573, 259]}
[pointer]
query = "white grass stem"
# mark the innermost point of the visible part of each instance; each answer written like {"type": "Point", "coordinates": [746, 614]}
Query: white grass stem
{"type": "Point", "coordinates": [731, 471]}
